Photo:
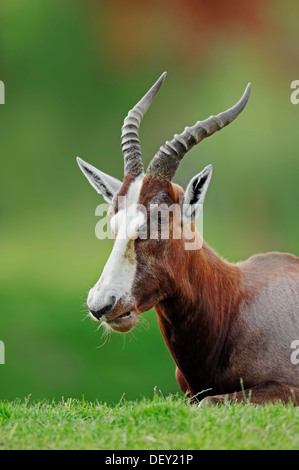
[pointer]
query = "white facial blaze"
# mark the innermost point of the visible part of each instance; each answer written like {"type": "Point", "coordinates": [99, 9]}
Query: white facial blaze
{"type": "Point", "coordinates": [119, 272]}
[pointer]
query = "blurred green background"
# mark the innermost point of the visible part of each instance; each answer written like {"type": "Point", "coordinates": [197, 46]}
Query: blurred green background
{"type": "Point", "coordinates": [72, 70]}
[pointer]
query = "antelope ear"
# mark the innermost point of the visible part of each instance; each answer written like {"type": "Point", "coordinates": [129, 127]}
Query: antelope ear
{"type": "Point", "coordinates": [102, 183]}
{"type": "Point", "coordinates": [195, 194]}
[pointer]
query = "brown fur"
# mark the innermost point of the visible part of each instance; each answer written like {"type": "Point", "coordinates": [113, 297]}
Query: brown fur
{"type": "Point", "coordinates": [197, 297]}
{"type": "Point", "coordinates": [218, 319]}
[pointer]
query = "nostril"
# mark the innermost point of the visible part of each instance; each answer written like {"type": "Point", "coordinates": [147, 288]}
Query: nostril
{"type": "Point", "coordinates": [104, 310]}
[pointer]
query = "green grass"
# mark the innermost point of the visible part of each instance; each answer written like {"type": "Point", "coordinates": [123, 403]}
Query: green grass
{"type": "Point", "coordinates": [159, 423]}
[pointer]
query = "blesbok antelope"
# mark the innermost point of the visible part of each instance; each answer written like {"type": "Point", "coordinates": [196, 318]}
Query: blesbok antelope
{"type": "Point", "coordinates": [224, 324]}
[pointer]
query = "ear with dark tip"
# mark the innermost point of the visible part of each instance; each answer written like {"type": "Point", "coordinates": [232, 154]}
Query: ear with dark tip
{"type": "Point", "coordinates": [195, 194]}
{"type": "Point", "coordinates": [101, 182]}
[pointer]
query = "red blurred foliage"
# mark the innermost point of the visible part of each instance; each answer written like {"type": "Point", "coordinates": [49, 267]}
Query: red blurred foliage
{"type": "Point", "coordinates": [143, 29]}
{"type": "Point", "coordinates": [226, 14]}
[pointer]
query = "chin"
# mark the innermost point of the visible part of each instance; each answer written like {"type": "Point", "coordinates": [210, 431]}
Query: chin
{"type": "Point", "coordinates": [123, 323]}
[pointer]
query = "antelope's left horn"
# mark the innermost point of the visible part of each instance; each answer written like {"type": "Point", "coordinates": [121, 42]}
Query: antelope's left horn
{"type": "Point", "coordinates": [164, 164]}
{"type": "Point", "coordinates": [131, 148]}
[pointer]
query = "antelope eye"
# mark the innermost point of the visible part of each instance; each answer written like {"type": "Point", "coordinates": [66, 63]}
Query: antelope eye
{"type": "Point", "coordinates": [142, 231]}
{"type": "Point", "coordinates": [159, 218]}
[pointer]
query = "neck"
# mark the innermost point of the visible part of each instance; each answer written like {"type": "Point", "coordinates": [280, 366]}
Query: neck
{"type": "Point", "coordinates": [195, 319]}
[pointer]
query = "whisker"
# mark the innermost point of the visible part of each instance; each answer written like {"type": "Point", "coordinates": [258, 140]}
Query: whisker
{"type": "Point", "coordinates": [143, 323]}
{"type": "Point", "coordinates": [86, 316]}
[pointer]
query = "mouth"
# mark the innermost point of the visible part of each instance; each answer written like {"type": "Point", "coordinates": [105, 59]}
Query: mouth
{"type": "Point", "coordinates": [124, 315]}
{"type": "Point", "coordinates": [123, 322]}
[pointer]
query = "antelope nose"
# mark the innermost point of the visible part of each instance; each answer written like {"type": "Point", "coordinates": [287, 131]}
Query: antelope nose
{"type": "Point", "coordinates": [98, 314]}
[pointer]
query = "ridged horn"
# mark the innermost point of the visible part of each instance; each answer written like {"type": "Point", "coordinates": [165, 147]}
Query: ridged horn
{"type": "Point", "coordinates": [130, 144]}
{"type": "Point", "coordinates": [164, 164]}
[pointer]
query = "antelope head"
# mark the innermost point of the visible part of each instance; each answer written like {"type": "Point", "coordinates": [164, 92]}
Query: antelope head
{"type": "Point", "coordinates": [144, 269]}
